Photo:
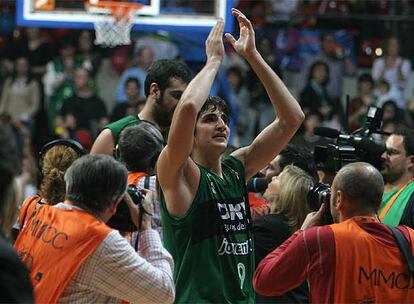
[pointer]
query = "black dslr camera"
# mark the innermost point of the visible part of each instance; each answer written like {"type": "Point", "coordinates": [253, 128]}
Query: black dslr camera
{"type": "Point", "coordinates": [318, 194]}
{"type": "Point", "coordinates": [359, 146]}
{"type": "Point", "coordinates": [121, 220]}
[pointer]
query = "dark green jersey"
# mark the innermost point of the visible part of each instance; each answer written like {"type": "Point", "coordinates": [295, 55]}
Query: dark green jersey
{"type": "Point", "coordinates": [212, 245]}
{"type": "Point", "coordinates": [117, 126]}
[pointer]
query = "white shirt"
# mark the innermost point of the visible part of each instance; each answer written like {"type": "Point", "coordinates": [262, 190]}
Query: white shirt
{"type": "Point", "coordinates": [115, 272]}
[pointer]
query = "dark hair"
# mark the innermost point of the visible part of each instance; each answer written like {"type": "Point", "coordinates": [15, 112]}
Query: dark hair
{"type": "Point", "coordinates": [299, 156]}
{"type": "Point", "coordinates": [139, 147]}
{"type": "Point", "coordinates": [408, 139]}
{"type": "Point", "coordinates": [8, 158]}
{"type": "Point", "coordinates": [365, 77]}
{"type": "Point", "coordinates": [162, 71]}
{"type": "Point", "coordinates": [133, 79]}
{"type": "Point", "coordinates": [29, 75]}
{"type": "Point", "coordinates": [313, 67]}
{"type": "Point", "coordinates": [214, 103]}
{"type": "Point", "coordinates": [95, 182]}
{"type": "Point", "coordinates": [350, 178]}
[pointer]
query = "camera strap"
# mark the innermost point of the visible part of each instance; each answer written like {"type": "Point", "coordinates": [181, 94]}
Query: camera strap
{"type": "Point", "coordinates": [405, 248]}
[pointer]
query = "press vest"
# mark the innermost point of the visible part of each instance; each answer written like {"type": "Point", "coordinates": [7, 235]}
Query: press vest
{"type": "Point", "coordinates": [367, 270]}
{"type": "Point", "coordinates": [54, 243]}
{"type": "Point", "coordinates": [212, 244]}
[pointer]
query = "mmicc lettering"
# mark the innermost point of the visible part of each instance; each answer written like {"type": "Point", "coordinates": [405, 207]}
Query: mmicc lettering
{"type": "Point", "coordinates": [232, 211]}
{"type": "Point", "coordinates": [229, 248]}
{"type": "Point", "coordinates": [377, 277]}
{"type": "Point", "coordinates": [47, 233]}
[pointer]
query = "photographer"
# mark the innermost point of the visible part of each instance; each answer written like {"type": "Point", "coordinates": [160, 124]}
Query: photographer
{"type": "Point", "coordinates": [355, 260]}
{"type": "Point", "coordinates": [397, 205]}
{"type": "Point", "coordinates": [287, 197]}
{"type": "Point", "coordinates": [86, 260]}
{"type": "Point", "coordinates": [138, 148]}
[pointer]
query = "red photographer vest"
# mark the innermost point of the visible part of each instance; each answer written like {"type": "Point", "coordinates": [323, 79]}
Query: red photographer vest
{"type": "Point", "coordinates": [368, 271]}
{"type": "Point", "coordinates": [54, 243]}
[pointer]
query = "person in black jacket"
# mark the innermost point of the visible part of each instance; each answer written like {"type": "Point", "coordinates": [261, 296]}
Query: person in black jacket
{"type": "Point", "coordinates": [288, 208]}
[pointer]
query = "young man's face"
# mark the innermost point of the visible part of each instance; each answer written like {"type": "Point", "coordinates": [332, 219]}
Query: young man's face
{"type": "Point", "coordinates": [166, 104]}
{"type": "Point", "coordinates": [395, 161]}
{"type": "Point", "coordinates": [212, 130]}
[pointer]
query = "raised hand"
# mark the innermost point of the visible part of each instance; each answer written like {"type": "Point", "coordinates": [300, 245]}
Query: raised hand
{"type": "Point", "coordinates": [214, 42]}
{"type": "Point", "coordinates": [245, 45]}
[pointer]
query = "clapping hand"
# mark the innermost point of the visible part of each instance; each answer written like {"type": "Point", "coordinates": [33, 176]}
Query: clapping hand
{"type": "Point", "coordinates": [245, 45]}
{"type": "Point", "coordinates": [214, 42]}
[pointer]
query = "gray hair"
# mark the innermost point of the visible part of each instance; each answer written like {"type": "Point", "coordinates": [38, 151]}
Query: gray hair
{"type": "Point", "coordinates": [362, 183]}
{"type": "Point", "coordinates": [95, 182]}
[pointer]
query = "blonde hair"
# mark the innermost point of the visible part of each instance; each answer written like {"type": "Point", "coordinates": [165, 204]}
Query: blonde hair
{"type": "Point", "coordinates": [54, 165]}
{"type": "Point", "coordinates": [292, 198]}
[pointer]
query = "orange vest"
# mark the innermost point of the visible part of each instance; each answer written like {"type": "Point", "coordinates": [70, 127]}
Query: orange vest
{"type": "Point", "coordinates": [28, 207]}
{"type": "Point", "coordinates": [54, 243]}
{"type": "Point", "coordinates": [368, 271]}
{"type": "Point", "coordinates": [134, 177]}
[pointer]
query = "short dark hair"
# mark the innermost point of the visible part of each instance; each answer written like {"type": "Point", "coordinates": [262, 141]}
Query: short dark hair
{"type": "Point", "coordinates": [350, 178]}
{"type": "Point", "coordinates": [95, 182]}
{"type": "Point", "coordinates": [133, 79]}
{"type": "Point", "coordinates": [139, 147]}
{"type": "Point", "coordinates": [408, 139]}
{"type": "Point", "coordinates": [299, 156]}
{"type": "Point", "coordinates": [313, 67]}
{"type": "Point", "coordinates": [214, 103]}
{"type": "Point", "coordinates": [162, 71]}
{"type": "Point", "coordinates": [365, 77]}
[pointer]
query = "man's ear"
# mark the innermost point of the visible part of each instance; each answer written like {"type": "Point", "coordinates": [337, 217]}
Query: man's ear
{"type": "Point", "coordinates": [411, 164]}
{"type": "Point", "coordinates": [115, 205]}
{"type": "Point", "coordinates": [339, 200]}
{"type": "Point", "coordinates": [154, 90]}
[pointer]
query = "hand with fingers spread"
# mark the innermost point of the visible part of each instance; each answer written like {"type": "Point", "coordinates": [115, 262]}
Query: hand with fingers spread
{"type": "Point", "coordinates": [245, 45]}
{"type": "Point", "coordinates": [214, 42]}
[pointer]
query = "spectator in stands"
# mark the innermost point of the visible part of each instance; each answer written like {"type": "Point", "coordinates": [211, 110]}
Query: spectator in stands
{"type": "Point", "coordinates": [58, 81]}
{"type": "Point", "coordinates": [393, 68]}
{"type": "Point", "coordinates": [86, 52]}
{"type": "Point", "coordinates": [20, 98]}
{"type": "Point", "coordinates": [36, 49]}
{"type": "Point", "coordinates": [339, 66]}
{"type": "Point", "coordinates": [164, 84]}
{"type": "Point", "coordinates": [83, 115]}
{"type": "Point", "coordinates": [397, 205]}
{"type": "Point", "coordinates": [86, 260]}
{"type": "Point", "coordinates": [133, 104]}
{"type": "Point", "coordinates": [138, 148]}
{"type": "Point", "coordinates": [144, 57]}
{"type": "Point", "coordinates": [385, 92]}
{"type": "Point", "coordinates": [15, 286]}
{"type": "Point", "coordinates": [315, 97]}
{"type": "Point", "coordinates": [260, 101]}
{"type": "Point", "coordinates": [306, 137]}
{"type": "Point", "coordinates": [245, 128]}
{"type": "Point", "coordinates": [356, 259]}
{"type": "Point", "coordinates": [287, 197]}
{"type": "Point", "coordinates": [358, 107]}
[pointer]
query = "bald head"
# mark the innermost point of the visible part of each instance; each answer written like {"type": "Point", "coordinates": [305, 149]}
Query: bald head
{"type": "Point", "coordinates": [360, 183]}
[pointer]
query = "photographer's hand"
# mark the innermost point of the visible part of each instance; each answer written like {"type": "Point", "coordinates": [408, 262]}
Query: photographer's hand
{"type": "Point", "coordinates": [134, 210]}
{"type": "Point", "coordinates": [313, 218]}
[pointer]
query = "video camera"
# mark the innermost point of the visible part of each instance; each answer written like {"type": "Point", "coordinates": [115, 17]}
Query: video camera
{"type": "Point", "coordinates": [359, 146]}
{"type": "Point", "coordinates": [121, 220]}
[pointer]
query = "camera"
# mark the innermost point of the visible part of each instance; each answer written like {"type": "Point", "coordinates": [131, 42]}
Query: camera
{"type": "Point", "coordinates": [319, 194]}
{"type": "Point", "coordinates": [121, 220]}
{"type": "Point", "coordinates": [349, 148]}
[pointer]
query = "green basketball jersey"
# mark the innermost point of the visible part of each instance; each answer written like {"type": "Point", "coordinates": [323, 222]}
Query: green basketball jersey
{"type": "Point", "coordinates": [117, 126]}
{"type": "Point", "coordinates": [212, 244]}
